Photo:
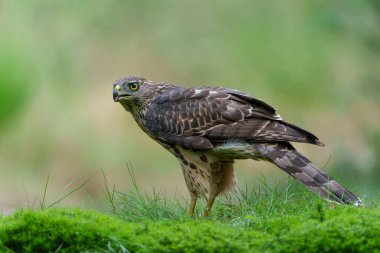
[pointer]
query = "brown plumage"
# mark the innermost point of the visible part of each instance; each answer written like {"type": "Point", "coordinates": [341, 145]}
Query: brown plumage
{"type": "Point", "coordinates": [207, 128]}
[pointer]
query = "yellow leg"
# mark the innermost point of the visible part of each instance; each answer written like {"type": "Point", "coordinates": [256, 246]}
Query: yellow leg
{"type": "Point", "coordinates": [193, 203]}
{"type": "Point", "coordinates": [210, 203]}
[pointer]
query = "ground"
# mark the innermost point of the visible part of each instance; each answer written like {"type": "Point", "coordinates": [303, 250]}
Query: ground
{"type": "Point", "coordinates": [75, 230]}
{"type": "Point", "coordinates": [278, 221]}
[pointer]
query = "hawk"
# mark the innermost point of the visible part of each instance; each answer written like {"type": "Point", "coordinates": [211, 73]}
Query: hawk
{"type": "Point", "coordinates": [207, 128]}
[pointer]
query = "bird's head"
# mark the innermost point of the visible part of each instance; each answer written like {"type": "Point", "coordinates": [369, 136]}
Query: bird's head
{"type": "Point", "coordinates": [128, 88]}
{"type": "Point", "coordinates": [133, 91]}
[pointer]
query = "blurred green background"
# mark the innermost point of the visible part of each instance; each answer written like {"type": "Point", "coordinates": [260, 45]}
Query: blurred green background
{"type": "Point", "coordinates": [318, 62]}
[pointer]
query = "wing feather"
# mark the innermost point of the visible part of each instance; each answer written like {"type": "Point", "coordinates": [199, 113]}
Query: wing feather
{"type": "Point", "coordinates": [199, 118]}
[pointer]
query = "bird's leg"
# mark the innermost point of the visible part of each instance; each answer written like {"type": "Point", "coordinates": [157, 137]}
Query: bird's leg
{"type": "Point", "coordinates": [210, 203]}
{"type": "Point", "coordinates": [193, 203]}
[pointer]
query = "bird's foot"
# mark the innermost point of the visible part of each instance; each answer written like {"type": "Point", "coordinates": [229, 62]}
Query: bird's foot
{"type": "Point", "coordinates": [206, 212]}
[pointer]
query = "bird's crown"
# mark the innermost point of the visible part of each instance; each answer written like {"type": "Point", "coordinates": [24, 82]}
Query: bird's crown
{"type": "Point", "coordinates": [129, 79]}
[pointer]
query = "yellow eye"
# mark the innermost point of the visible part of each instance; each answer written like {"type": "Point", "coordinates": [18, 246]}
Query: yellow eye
{"type": "Point", "coordinates": [133, 86]}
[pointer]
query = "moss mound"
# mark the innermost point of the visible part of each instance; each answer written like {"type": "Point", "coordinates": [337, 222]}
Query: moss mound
{"type": "Point", "coordinates": [75, 230]}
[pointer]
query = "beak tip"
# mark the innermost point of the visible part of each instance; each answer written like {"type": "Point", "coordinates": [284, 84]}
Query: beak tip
{"type": "Point", "coordinates": [115, 96]}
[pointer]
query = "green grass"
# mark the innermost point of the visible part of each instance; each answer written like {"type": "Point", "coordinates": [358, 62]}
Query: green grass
{"type": "Point", "coordinates": [75, 230]}
{"type": "Point", "coordinates": [283, 219]}
{"type": "Point", "coordinates": [264, 200]}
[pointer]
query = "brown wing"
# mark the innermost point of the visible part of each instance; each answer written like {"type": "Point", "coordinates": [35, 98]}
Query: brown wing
{"type": "Point", "coordinates": [202, 117]}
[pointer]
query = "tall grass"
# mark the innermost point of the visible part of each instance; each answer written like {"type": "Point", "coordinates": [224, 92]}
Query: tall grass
{"type": "Point", "coordinates": [262, 201]}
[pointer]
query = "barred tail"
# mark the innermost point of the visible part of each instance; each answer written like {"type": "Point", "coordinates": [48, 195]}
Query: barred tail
{"type": "Point", "coordinates": [298, 166]}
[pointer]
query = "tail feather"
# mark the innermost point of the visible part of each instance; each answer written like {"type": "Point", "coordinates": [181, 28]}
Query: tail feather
{"type": "Point", "coordinates": [299, 167]}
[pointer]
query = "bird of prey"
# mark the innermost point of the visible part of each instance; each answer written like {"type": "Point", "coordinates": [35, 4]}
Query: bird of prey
{"type": "Point", "coordinates": [207, 128]}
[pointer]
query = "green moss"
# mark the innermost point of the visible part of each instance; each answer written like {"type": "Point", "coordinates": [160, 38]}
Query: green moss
{"type": "Point", "coordinates": [344, 230]}
{"type": "Point", "coordinates": [75, 230]}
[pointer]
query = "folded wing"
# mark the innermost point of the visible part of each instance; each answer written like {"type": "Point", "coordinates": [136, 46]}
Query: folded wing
{"type": "Point", "coordinates": [202, 117]}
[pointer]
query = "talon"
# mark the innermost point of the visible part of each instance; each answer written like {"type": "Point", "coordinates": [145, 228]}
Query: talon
{"type": "Point", "coordinates": [206, 212]}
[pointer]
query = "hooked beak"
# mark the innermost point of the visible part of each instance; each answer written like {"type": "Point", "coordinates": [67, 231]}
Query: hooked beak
{"type": "Point", "coordinates": [117, 95]}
